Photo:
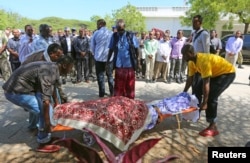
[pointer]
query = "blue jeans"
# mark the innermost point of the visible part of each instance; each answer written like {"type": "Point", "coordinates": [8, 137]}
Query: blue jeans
{"type": "Point", "coordinates": [100, 74]}
{"type": "Point", "coordinates": [33, 104]}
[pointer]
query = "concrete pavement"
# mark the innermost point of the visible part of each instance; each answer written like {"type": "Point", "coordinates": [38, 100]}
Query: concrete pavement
{"type": "Point", "coordinates": [17, 145]}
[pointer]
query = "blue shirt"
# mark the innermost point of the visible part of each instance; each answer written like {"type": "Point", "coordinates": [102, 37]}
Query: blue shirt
{"type": "Point", "coordinates": [123, 59]}
{"type": "Point", "coordinates": [99, 44]}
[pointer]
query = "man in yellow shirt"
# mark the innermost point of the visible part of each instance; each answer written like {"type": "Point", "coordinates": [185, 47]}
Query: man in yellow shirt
{"type": "Point", "coordinates": [217, 74]}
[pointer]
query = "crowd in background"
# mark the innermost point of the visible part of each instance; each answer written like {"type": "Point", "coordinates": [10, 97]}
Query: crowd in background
{"type": "Point", "coordinates": [160, 55]}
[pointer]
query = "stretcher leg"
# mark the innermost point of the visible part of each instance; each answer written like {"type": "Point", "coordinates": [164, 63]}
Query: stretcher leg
{"type": "Point", "coordinates": [178, 121]}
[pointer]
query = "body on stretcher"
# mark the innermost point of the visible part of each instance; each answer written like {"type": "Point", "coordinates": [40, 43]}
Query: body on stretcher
{"type": "Point", "coordinates": [109, 118]}
{"type": "Point", "coordinates": [161, 118]}
{"type": "Point", "coordinates": [89, 140]}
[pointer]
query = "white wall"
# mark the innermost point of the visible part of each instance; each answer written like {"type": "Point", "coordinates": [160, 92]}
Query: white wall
{"type": "Point", "coordinates": [171, 24]}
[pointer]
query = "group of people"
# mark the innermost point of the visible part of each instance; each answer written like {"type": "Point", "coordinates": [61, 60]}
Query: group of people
{"type": "Point", "coordinates": [34, 86]}
{"type": "Point", "coordinates": [35, 83]}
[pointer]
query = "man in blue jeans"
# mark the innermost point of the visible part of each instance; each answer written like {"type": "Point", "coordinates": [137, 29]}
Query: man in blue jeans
{"type": "Point", "coordinates": [99, 47]}
{"type": "Point", "coordinates": [31, 87]}
{"type": "Point", "coordinates": [51, 54]}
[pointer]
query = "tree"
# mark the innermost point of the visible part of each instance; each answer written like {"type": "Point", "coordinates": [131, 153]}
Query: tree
{"type": "Point", "coordinates": [3, 19]}
{"type": "Point", "coordinates": [213, 10]}
{"type": "Point", "coordinates": [240, 8]}
{"type": "Point", "coordinates": [108, 19]}
{"type": "Point", "coordinates": [133, 18]}
{"type": "Point", "coordinates": [15, 20]}
{"type": "Point", "coordinates": [208, 9]}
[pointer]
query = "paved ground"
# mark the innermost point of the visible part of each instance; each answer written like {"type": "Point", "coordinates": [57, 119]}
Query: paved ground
{"type": "Point", "coordinates": [17, 145]}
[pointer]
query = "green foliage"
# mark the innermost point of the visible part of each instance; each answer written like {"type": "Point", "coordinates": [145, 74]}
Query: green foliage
{"type": "Point", "coordinates": [14, 20]}
{"type": "Point", "coordinates": [208, 9]}
{"type": "Point", "coordinates": [60, 23]}
{"type": "Point", "coordinates": [3, 20]}
{"type": "Point", "coordinates": [240, 8]}
{"type": "Point", "coordinates": [109, 20]}
{"type": "Point", "coordinates": [213, 10]}
{"type": "Point", "coordinates": [133, 18]}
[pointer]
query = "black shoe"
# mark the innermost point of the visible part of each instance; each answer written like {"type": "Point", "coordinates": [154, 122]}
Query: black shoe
{"type": "Point", "coordinates": [63, 81]}
{"type": "Point", "coordinates": [147, 81]}
{"type": "Point", "coordinates": [240, 67]}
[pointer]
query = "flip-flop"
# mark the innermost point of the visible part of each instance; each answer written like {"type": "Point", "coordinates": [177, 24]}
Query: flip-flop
{"type": "Point", "coordinates": [48, 148]}
{"type": "Point", "coordinates": [209, 132]}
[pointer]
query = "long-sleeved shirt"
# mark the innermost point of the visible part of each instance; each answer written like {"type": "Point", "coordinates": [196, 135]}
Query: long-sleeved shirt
{"type": "Point", "coordinates": [177, 45]}
{"type": "Point", "coordinates": [123, 58]}
{"type": "Point", "coordinates": [25, 48]}
{"type": "Point", "coordinates": [100, 43]}
{"type": "Point", "coordinates": [202, 43]}
{"type": "Point", "coordinates": [40, 43]}
{"type": "Point", "coordinates": [39, 76]}
{"type": "Point", "coordinates": [81, 44]}
{"type": "Point", "coordinates": [150, 47]}
{"type": "Point", "coordinates": [164, 50]}
{"type": "Point", "coordinates": [234, 45]}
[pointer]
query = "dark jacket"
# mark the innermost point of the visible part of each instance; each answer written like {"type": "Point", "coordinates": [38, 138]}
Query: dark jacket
{"type": "Point", "coordinates": [65, 46]}
{"type": "Point", "coordinates": [81, 44]}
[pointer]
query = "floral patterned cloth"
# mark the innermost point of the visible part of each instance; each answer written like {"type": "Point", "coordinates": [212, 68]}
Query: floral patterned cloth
{"type": "Point", "coordinates": [119, 120]}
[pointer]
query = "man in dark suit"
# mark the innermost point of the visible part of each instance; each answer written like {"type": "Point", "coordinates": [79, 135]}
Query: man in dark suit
{"type": "Point", "coordinates": [67, 44]}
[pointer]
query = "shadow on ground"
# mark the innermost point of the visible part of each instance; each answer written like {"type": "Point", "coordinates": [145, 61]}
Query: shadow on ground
{"type": "Point", "coordinates": [17, 145]}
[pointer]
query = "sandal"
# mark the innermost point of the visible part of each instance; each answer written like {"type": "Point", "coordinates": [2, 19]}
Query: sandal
{"type": "Point", "coordinates": [48, 148]}
{"type": "Point", "coordinates": [209, 132]}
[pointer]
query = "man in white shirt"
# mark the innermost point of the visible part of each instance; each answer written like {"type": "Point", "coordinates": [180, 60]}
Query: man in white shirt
{"type": "Point", "coordinates": [233, 47]}
{"type": "Point", "coordinates": [162, 58]}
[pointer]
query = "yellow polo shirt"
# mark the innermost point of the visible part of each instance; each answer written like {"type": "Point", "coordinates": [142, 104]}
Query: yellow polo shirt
{"type": "Point", "coordinates": [210, 65]}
